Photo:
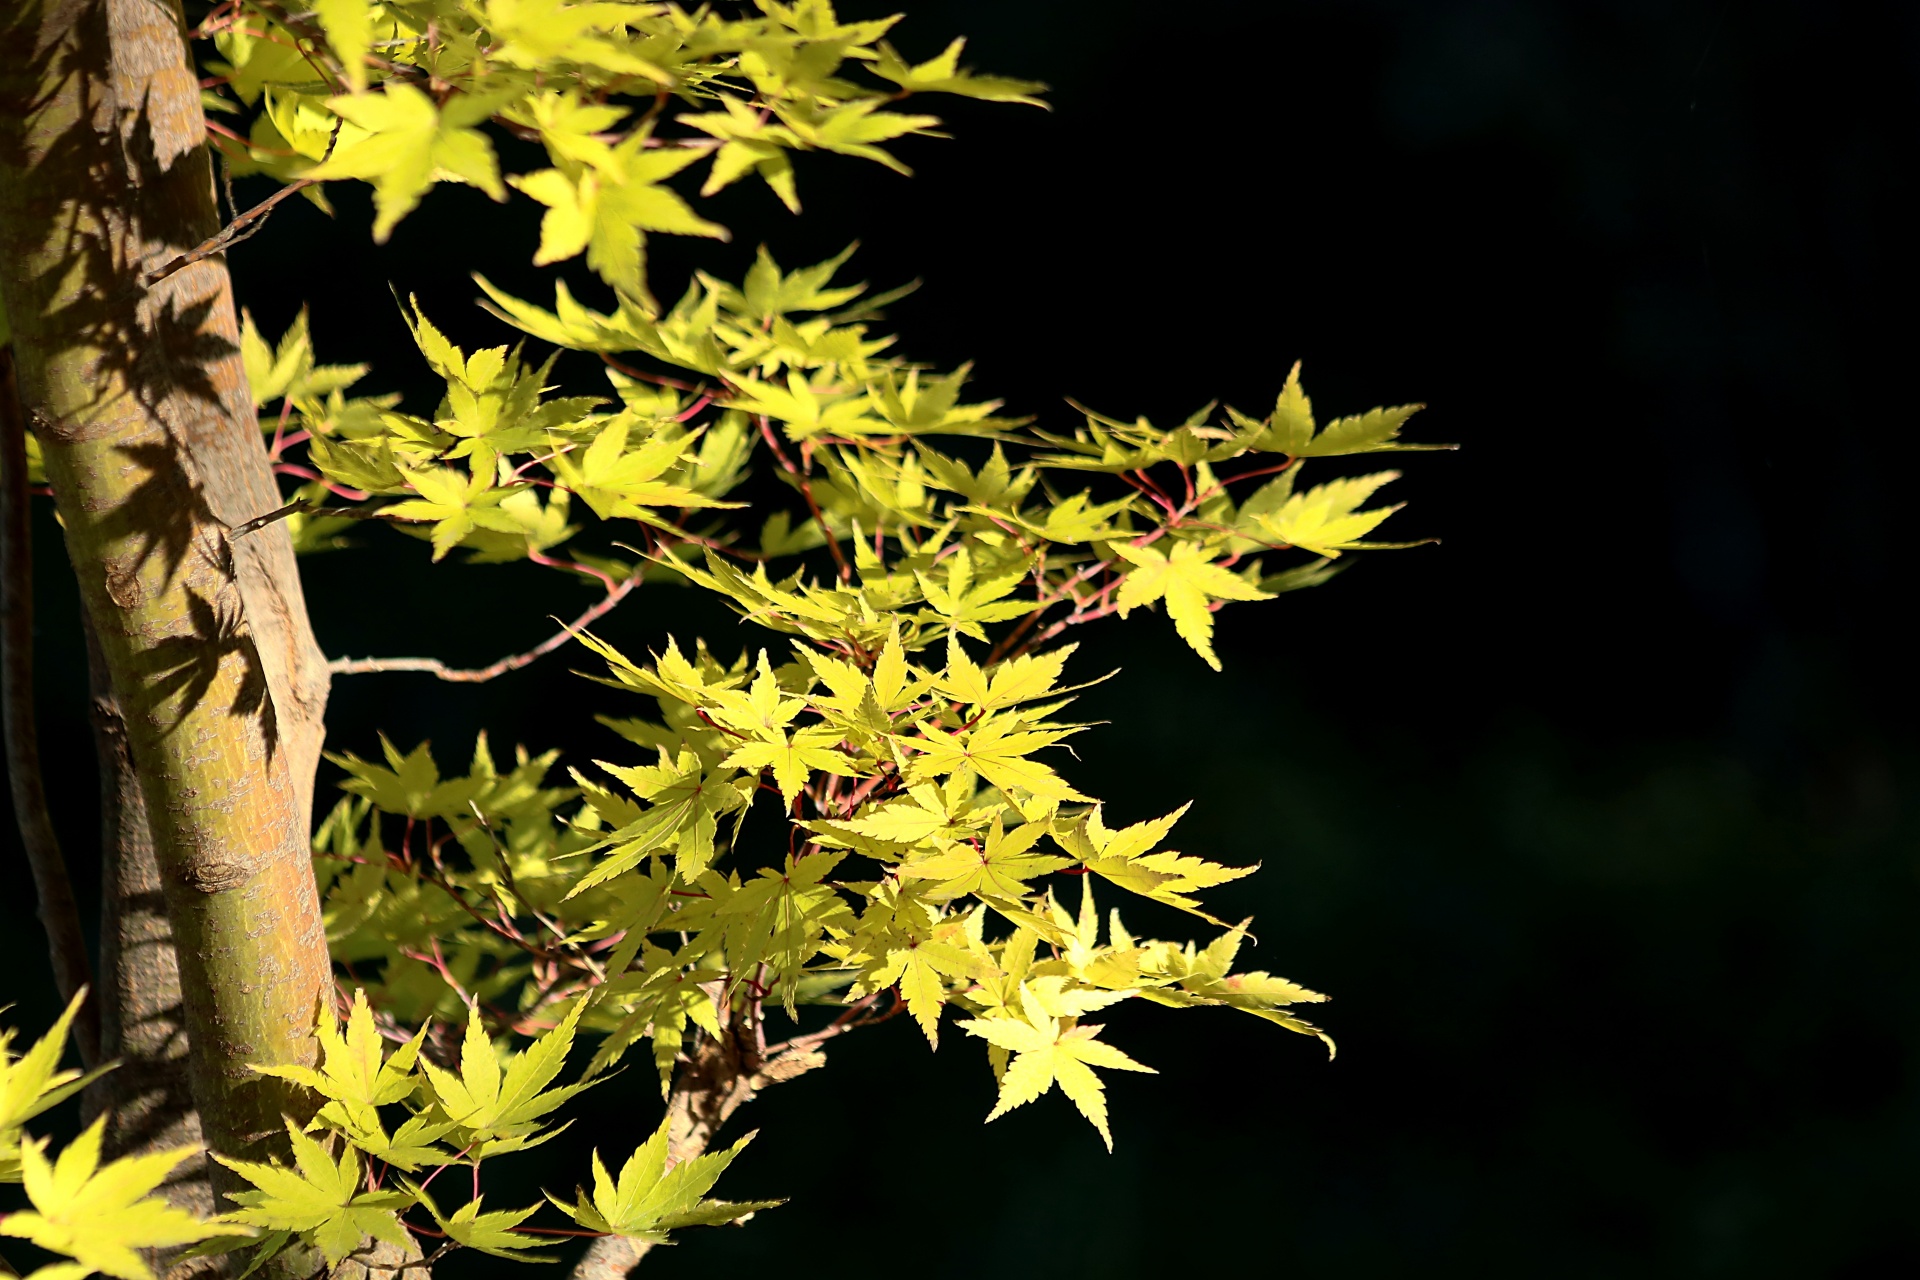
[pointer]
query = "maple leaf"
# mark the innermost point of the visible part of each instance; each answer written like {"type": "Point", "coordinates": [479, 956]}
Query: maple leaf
{"type": "Point", "coordinates": [606, 211]}
{"type": "Point", "coordinates": [942, 74]}
{"type": "Point", "coordinates": [748, 144]}
{"type": "Point", "coordinates": [536, 34]}
{"type": "Point", "coordinates": [617, 481]}
{"type": "Point", "coordinates": [356, 1079]}
{"type": "Point", "coordinates": [100, 1216]}
{"type": "Point", "coordinates": [777, 918]}
{"type": "Point", "coordinates": [491, 1233]}
{"type": "Point", "coordinates": [921, 963]}
{"type": "Point", "coordinates": [648, 1200]}
{"type": "Point", "coordinates": [1327, 518]}
{"type": "Point", "coordinates": [853, 128]}
{"type": "Point", "coordinates": [348, 25]}
{"type": "Point", "coordinates": [686, 802]}
{"type": "Point", "coordinates": [1048, 1051]}
{"type": "Point", "coordinates": [456, 504]}
{"type": "Point", "coordinates": [1189, 582]}
{"type": "Point", "coordinates": [1000, 868]}
{"type": "Point", "coordinates": [1017, 680]}
{"type": "Point", "coordinates": [964, 603]}
{"type": "Point", "coordinates": [411, 786]}
{"type": "Point", "coordinates": [1291, 428]}
{"type": "Point", "coordinates": [32, 1082]}
{"type": "Point", "coordinates": [495, 1112]}
{"type": "Point", "coordinates": [320, 1199]}
{"type": "Point", "coordinates": [997, 749]}
{"type": "Point", "coordinates": [1126, 858]}
{"type": "Point", "coordinates": [411, 144]}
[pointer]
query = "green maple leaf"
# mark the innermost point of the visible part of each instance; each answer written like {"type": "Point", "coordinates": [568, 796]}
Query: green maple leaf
{"type": "Point", "coordinates": [1127, 857]}
{"type": "Point", "coordinates": [356, 1078]}
{"type": "Point", "coordinates": [1291, 428]}
{"type": "Point", "coordinates": [964, 602]}
{"type": "Point", "coordinates": [411, 144]}
{"type": "Point", "coordinates": [997, 749]}
{"type": "Point", "coordinates": [852, 128]}
{"type": "Point", "coordinates": [1014, 681]}
{"type": "Point", "coordinates": [411, 785]}
{"type": "Point", "coordinates": [777, 918]}
{"type": "Point", "coordinates": [748, 144]}
{"type": "Point", "coordinates": [1048, 1051]}
{"type": "Point", "coordinates": [320, 1199]}
{"type": "Point", "coordinates": [942, 74]}
{"type": "Point", "coordinates": [1189, 582]}
{"type": "Point", "coordinates": [490, 1233]}
{"type": "Point", "coordinates": [100, 1216]}
{"type": "Point", "coordinates": [616, 481]}
{"type": "Point", "coordinates": [922, 967]}
{"type": "Point", "coordinates": [999, 868]}
{"type": "Point", "coordinates": [497, 1112]}
{"type": "Point", "coordinates": [761, 715]}
{"type": "Point", "coordinates": [606, 212]}
{"type": "Point", "coordinates": [287, 368]}
{"type": "Point", "coordinates": [32, 1082]}
{"type": "Point", "coordinates": [456, 504]}
{"type": "Point", "coordinates": [538, 34]}
{"type": "Point", "coordinates": [648, 1200]}
{"type": "Point", "coordinates": [1327, 519]}
{"type": "Point", "coordinates": [348, 25]}
{"type": "Point", "coordinates": [686, 801]}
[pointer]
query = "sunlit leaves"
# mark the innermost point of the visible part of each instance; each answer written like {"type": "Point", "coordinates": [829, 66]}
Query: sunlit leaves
{"type": "Point", "coordinates": [875, 816]}
{"type": "Point", "coordinates": [32, 1082]}
{"type": "Point", "coordinates": [1189, 583]}
{"type": "Point", "coordinates": [100, 1216]}
{"type": "Point", "coordinates": [1329, 518]}
{"type": "Point", "coordinates": [410, 144]}
{"type": "Point", "coordinates": [1049, 1051]}
{"type": "Point", "coordinates": [650, 1199]}
{"type": "Point", "coordinates": [496, 1111]}
{"type": "Point", "coordinates": [1291, 428]}
{"type": "Point", "coordinates": [319, 1197]}
{"type": "Point", "coordinates": [942, 74]}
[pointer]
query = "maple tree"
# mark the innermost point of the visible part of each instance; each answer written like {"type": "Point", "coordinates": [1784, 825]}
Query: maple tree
{"type": "Point", "coordinates": [860, 812]}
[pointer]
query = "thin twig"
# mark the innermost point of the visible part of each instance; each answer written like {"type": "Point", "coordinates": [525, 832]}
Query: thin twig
{"type": "Point", "coordinates": [312, 509]}
{"type": "Point", "coordinates": [477, 675]}
{"type": "Point", "coordinates": [66, 945]}
{"type": "Point", "coordinates": [241, 228]}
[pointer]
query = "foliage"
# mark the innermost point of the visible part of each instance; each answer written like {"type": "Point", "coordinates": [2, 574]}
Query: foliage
{"type": "Point", "coordinates": [98, 1216]}
{"type": "Point", "coordinates": [924, 556]}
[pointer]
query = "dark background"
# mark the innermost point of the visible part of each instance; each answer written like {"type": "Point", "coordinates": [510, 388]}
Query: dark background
{"type": "Point", "coordinates": [1597, 820]}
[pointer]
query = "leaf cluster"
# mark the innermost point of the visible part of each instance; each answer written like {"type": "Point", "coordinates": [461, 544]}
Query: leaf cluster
{"type": "Point", "coordinates": [862, 815]}
{"type": "Point", "coordinates": [99, 1216]}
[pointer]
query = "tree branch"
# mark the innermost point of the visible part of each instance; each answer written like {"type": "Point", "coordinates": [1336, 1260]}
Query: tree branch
{"type": "Point", "coordinates": [477, 675]}
{"type": "Point", "coordinates": [61, 918]}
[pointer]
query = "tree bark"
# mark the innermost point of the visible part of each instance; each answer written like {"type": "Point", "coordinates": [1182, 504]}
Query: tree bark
{"type": "Point", "coordinates": [142, 1022]}
{"type": "Point", "coordinates": [140, 401]}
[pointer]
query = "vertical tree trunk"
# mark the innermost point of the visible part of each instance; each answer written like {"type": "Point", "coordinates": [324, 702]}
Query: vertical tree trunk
{"type": "Point", "coordinates": [142, 1023]}
{"type": "Point", "coordinates": [140, 402]}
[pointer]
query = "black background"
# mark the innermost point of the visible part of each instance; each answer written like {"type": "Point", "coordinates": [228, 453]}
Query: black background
{"type": "Point", "coordinates": [1597, 820]}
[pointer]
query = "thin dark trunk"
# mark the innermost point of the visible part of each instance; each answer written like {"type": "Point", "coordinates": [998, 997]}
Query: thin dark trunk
{"type": "Point", "coordinates": [66, 946]}
{"type": "Point", "coordinates": [142, 1023]}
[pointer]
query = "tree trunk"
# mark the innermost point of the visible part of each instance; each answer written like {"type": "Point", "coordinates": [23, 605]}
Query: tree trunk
{"type": "Point", "coordinates": [142, 1023]}
{"type": "Point", "coordinates": [139, 399]}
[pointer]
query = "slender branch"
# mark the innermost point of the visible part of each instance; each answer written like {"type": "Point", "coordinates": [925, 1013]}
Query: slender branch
{"type": "Point", "coordinates": [258, 523]}
{"type": "Point", "coordinates": [806, 491]}
{"type": "Point", "coordinates": [477, 675]}
{"type": "Point", "coordinates": [61, 917]}
{"type": "Point", "coordinates": [241, 228]}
